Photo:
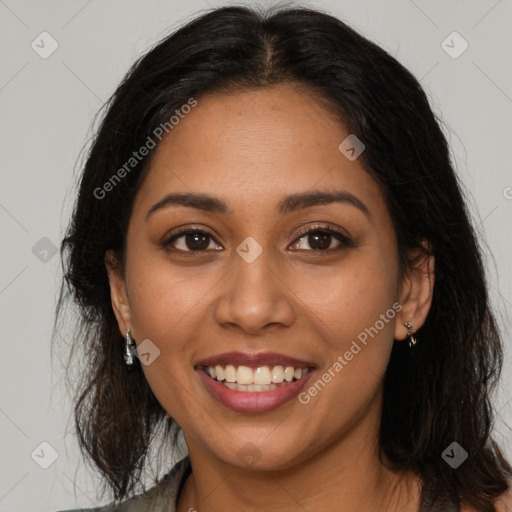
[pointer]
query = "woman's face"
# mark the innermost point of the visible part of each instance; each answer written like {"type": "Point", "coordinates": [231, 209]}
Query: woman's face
{"type": "Point", "coordinates": [253, 289]}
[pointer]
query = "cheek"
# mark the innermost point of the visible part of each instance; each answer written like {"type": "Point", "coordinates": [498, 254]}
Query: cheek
{"type": "Point", "coordinates": [165, 304]}
{"type": "Point", "coordinates": [350, 299]}
{"type": "Point", "coordinates": [164, 298]}
{"type": "Point", "coordinates": [164, 307]}
{"type": "Point", "coordinates": [354, 317]}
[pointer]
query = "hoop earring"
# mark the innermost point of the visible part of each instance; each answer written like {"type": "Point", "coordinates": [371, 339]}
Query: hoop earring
{"type": "Point", "coordinates": [129, 350]}
{"type": "Point", "coordinates": [412, 338]}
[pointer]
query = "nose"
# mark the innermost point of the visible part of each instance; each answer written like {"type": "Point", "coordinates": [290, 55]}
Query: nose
{"type": "Point", "coordinates": [254, 297]}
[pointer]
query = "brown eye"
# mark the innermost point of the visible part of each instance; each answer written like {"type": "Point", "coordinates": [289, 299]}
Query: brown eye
{"type": "Point", "coordinates": [191, 240]}
{"type": "Point", "coordinates": [316, 240]}
{"type": "Point", "coordinates": [320, 238]}
{"type": "Point", "coordinates": [197, 241]}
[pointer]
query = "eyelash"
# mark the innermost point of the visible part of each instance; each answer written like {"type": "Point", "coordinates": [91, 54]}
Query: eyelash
{"type": "Point", "coordinates": [344, 241]}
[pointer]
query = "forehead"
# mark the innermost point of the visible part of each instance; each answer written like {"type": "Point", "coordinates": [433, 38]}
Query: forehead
{"type": "Point", "coordinates": [256, 146]}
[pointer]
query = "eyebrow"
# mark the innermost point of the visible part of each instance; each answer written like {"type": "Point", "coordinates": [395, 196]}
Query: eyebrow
{"type": "Point", "coordinates": [288, 204]}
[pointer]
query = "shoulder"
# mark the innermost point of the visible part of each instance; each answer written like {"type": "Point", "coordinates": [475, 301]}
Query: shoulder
{"type": "Point", "coordinates": [101, 509]}
{"type": "Point", "coordinates": [502, 504]}
{"type": "Point", "coordinates": [105, 508]}
{"type": "Point", "coordinates": [161, 497]}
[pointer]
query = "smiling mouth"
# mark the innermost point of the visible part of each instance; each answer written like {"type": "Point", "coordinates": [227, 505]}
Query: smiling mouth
{"type": "Point", "coordinates": [258, 379]}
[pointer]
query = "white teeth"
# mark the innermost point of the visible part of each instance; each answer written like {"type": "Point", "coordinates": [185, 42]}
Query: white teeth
{"type": "Point", "coordinates": [244, 375]}
{"type": "Point", "coordinates": [277, 374]}
{"type": "Point", "coordinates": [250, 387]}
{"type": "Point", "coordinates": [252, 379]}
{"type": "Point", "coordinates": [219, 372]}
{"type": "Point", "coordinates": [262, 375]}
{"type": "Point", "coordinates": [230, 374]}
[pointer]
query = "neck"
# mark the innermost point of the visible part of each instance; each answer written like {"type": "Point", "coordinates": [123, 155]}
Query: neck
{"type": "Point", "coordinates": [344, 475]}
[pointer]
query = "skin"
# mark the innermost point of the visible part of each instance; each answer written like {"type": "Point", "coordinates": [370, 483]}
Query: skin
{"type": "Point", "coordinates": [251, 149]}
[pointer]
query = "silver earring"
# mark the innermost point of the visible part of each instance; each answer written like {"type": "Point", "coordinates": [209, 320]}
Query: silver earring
{"type": "Point", "coordinates": [412, 338]}
{"type": "Point", "coordinates": [129, 349]}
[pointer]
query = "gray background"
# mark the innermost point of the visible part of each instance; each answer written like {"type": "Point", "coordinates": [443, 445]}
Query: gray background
{"type": "Point", "coordinates": [47, 108]}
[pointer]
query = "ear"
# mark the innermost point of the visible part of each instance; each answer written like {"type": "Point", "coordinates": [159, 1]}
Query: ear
{"type": "Point", "coordinates": [118, 293]}
{"type": "Point", "coordinates": [416, 290]}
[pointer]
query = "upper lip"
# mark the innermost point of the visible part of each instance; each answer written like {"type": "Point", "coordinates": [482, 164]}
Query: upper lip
{"type": "Point", "coordinates": [253, 360]}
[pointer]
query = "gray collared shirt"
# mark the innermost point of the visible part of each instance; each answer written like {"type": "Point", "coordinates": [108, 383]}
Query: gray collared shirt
{"type": "Point", "coordinates": [163, 497]}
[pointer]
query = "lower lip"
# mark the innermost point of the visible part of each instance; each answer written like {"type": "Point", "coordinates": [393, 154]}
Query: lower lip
{"type": "Point", "coordinates": [253, 401]}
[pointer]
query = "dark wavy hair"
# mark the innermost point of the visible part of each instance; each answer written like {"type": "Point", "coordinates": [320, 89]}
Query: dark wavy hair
{"type": "Point", "coordinates": [439, 392]}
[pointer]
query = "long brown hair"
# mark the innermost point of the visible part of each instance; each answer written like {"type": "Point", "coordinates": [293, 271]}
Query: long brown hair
{"type": "Point", "coordinates": [433, 395]}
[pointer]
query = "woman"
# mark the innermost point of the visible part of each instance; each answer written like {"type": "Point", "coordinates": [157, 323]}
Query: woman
{"type": "Point", "coordinates": [269, 213]}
